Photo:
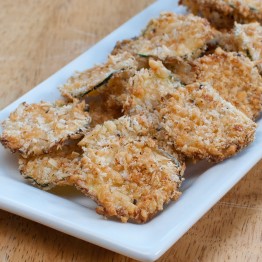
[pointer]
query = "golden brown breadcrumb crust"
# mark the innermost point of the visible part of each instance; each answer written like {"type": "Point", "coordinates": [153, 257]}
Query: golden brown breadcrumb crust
{"type": "Point", "coordinates": [125, 171]}
{"type": "Point", "coordinates": [202, 125]}
{"type": "Point", "coordinates": [223, 13]}
{"type": "Point", "coordinates": [198, 122]}
{"type": "Point", "coordinates": [99, 76]}
{"type": "Point", "coordinates": [170, 35]}
{"type": "Point", "coordinates": [236, 79]}
{"type": "Point", "coordinates": [248, 39]}
{"type": "Point", "coordinates": [133, 47]}
{"type": "Point", "coordinates": [245, 38]}
{"type": "Point", "coordinates": [49, 170]}
{"type": "Point", "coordinates": [37, 128]}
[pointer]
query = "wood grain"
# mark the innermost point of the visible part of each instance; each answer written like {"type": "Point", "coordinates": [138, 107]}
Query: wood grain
{"type": "Point", "coordinates": [38, 38]}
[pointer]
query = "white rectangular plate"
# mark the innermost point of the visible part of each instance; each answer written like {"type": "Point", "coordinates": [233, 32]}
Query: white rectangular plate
{"type": "Point", "coordinates": [69, 212]}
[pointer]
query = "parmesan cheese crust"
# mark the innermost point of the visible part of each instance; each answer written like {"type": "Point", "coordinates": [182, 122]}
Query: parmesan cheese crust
{"type": "Point", "coordinates": [236, 79]}
{"type": "Point", "coordinates": [170, 35]}
{"type": "Point", "coordinates": [37, 128]}
{"type": "Point", "coordinates": [125, 172]}
{"type": "Point", "coordinates": [49, 170]}
{"type": "Point", "coordinates": [223, 13]}
{"type": "Point", "coordinates": [194, 118]}
{"type": "Point", "coordinates": [99, 77]}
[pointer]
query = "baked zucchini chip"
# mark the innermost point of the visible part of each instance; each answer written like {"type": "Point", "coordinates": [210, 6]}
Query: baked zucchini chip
{"type": "Point", "coordinates": [133, 46]}
{"type": "Point", "coordinates": [116, 68]}
{"type": "Point", "coordinates": [245, 38]}
{"type": "Point", "coordinates": [147, 88]}
{"type": "Point", "coordinates": [223, 13]}
{"type": "Point", "coordinates": [194, 118]}
{"type": "Point", "coordinates": [37, 128]}
{"type": "Point", "coordinates": [49, 170]}
{"type": "Point", "coordinates": [170, 35]}
{"type": "Point", "coordinates": [126, 173]}
{"type": "Point", "coordinates": [236, 79]}
{"type": "Point", "coordinates": [202, 125]}
{"type": "Point", "coordinates": [249, 40]}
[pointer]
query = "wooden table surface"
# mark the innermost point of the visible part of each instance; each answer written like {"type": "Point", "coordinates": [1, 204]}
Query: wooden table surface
{"type": "Point", "coordinates": [38, 38]}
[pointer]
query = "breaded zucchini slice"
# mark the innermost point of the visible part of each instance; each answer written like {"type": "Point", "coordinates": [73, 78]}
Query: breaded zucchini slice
{"type": "Point", "coordinates": [148, 87]}
{"type": "Point", "coordinates": [223, 13]}
{"type": "Point", "coordinates": [92, 79]}
{"type": "Point", "coordinates": [245, 38]}
{"type": "Point", "coordinates": [49, 170]}
{"type": "Point", "coordinates": [202, 125]}
{"type": "Point", "coordinates": [133, 46]}
{"type": "Point", "coordinates": [170, 35]}
{"type": "Point", "coordinates": [34, 129]}
{"type": "Point", "coordinates": [194, 118]}
{"type": "Point", "coordinates": [125, 171]}
{"type": "Point", "coordinates": [236, 79]}
{"type": "Point", "coordinates": [249, 40]}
